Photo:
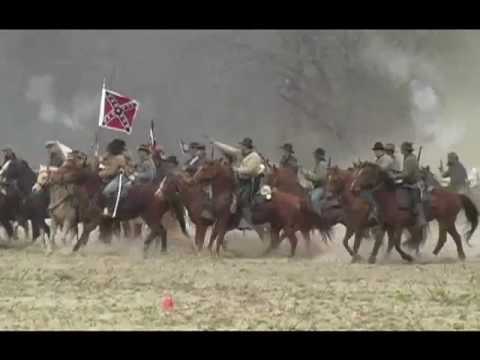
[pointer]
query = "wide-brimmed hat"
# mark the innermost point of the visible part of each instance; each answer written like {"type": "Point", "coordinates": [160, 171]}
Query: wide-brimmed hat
{"type": "Point", "coordinates": [49, 144]}
{"type": "Point", "coordinates": [247, 142]}
{"type": "Point", "coordinates": [172, 159]}
{"type": "Point", "coordinates": [196, 146]}
{"type": "Point", "coordinates": [319, 152]}
{"type": "Point", "coordinates": [144, 147]}
{"type": "Point", "coordinates": [7, 148]}
{"type": "Point", "coordinates": [288, 147]}
{"type": "Point", "coordinates": [452, 156]}
{"type": "Point", "coordinates": [407, 146]}
{"type": "Point", "coordinates": [378, 146]}
{"type": "Point", "coordinates": [389, 147]}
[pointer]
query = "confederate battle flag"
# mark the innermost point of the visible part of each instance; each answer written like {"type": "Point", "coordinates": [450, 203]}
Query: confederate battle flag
{"type": "Point", "coordinates": [117, 112]}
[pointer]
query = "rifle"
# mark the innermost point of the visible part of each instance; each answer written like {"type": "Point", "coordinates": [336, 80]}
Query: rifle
{"type": "Point", "coordinates": [329, 162]}
{"type": "Point", "coordinates": [419, 154]}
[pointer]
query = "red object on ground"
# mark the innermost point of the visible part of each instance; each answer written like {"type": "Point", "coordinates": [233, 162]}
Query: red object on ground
{"type": "Point", "coordinates": [168, 303]}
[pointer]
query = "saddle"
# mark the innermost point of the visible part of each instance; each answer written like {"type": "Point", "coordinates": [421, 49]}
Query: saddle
{"type": "Point", "coordinates": [409, 195]}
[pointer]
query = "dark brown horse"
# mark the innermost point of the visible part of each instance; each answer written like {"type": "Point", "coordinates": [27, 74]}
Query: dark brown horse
{"type": "Point", "coordinates": [141, 201]}
{"type": "Point", "coordinates": [356, 211]}
{"type": "Point", "coordinates": [193, 198]}
{"type": "Point", "coordinates": [286, 180]}
{"type": "Point", "coordinates": [219, 174]}
{"type": "Point", "coordinates": [445, 207]}
{"type": "Point", "coordinates": [288, 213]}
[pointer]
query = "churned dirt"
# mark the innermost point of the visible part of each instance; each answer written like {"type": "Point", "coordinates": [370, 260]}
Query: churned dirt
{"type": "Point", "coordinates": [113, 287]}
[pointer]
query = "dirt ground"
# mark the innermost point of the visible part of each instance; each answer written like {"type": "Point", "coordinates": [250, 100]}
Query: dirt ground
{"type": "Point", "coordinates": [113, 287]}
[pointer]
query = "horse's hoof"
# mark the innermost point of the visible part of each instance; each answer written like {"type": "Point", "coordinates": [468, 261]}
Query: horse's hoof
{"type": "Point", "coordinates": [372, 260]}
{"type": "Point", "coordinates": [462, 257]}
{"type": "Point", "coordinates": [408, 259]}
{"type": "Point", "coordinates": [356, 259]}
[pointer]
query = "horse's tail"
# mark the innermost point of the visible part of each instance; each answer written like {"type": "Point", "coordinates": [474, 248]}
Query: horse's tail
{"type": "Point", "coordinates": [322, 226]}
{"type": "Point", "coordinates": [179, 210]}
{"type": "Point", "coordinates": [471, 212]}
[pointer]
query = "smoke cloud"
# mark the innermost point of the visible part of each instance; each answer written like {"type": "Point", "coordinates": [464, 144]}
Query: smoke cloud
{"type": "Point", "coordinates": [41, 92]}
{"type": "Point", "coordinates": [341, 90]}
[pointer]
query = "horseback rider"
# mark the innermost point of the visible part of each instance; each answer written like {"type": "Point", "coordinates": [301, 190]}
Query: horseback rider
{"type": "Point", "coordinates": [21, 166]}
{"type": "Point", "coordinates": [318, 177]}
{"type": "Point", "coordinates": [249, 170]}
{"type": "Point", "coordinates": [288, 159]}
{"type": "Point", "coordinates": [198, 156]}
{"type": "Point", "coordinates": [115, 163]}
{"type": "Point", "coordinates": [396, 167]}
{"type": "Point", "coordinates": [456, 172]}
{"type": "Point", "coordinates": [386, 163]}
{"type": "Point", "coordinates": [145, 170]}
{"type": "Point", "coordinates": [410, 177]}
{"type": "Point", "coordinates": [55, 155]}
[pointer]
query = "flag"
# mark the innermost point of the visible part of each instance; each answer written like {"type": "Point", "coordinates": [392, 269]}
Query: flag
{"type": "Point", "coordinates": [117, 112]}
{"type": "Point", "coordinates": [151, 134]}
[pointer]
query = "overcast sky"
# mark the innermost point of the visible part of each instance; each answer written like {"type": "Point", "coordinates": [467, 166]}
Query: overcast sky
{"type": "Point", "coordinates": [201, 82]}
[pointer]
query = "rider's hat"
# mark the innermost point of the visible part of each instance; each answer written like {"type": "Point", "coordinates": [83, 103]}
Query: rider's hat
{"type": "Point", "coordinates": [247, 142]}
{"type": "Point", "coordinates": [288, 147]}
{"type": "Point", "coordinates": [319, 152]}
{"type": "Point", "coordinates": [407, 146]}
{"type": "Point", "coordinates": [378, 146]}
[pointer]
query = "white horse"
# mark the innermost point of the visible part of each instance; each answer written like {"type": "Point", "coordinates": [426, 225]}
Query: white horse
{"type": "Point", "coordinates": [63, 213]}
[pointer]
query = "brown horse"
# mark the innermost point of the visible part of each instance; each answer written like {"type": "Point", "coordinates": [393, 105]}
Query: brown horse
{"type": "Point", "coordinates": [444, 207]}
{"type": "Point", "coordinates": [220, 175]}
{"type": "Point", "coordinates": [356, 212]}
{"type": "Point", "coordinates": [290, 213]}
{"type": "Point", "coordinates": [141, 200]}
{"type": "Point", "coordinates": [286, 180]}
{"type": "Point", "coordinates": [194, 199]}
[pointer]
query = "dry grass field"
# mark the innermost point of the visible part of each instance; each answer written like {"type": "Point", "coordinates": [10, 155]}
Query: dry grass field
{"type": "Point", "coordinates": [113, 287]}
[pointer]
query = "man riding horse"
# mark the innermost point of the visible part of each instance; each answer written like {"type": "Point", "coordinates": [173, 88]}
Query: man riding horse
{"type": "Point", "coordinates": [318, 177]}
{"type": "Point", "coordinates": [145, 170]}
{"type": "Point", "coordinates": [198, 156]}
{"type": "Point", "coordinates": [248, 171]}
{"type": "Point", "coordinates": [115, 165]}
{"type": "Point", "coordinates": [386, 163]}
{"type": "Point", "coordinates": [456, 172]}
{"type": "Point", "coordinates": [410, 179]}
{"type": "Point", "coordinates": [288, 160]}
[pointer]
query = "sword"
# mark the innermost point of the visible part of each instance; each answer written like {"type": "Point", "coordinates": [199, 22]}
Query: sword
{"type": "Point", "coordinates": [118, 195]}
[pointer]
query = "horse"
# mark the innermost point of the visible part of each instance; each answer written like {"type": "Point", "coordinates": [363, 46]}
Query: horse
{"type": "Point", "coordinates": [444, 208]}
{"type": "Point", "coordinates": [290, 213]}
{"type": "Point", "coordinates": [62, 206]}
{"type": "Point", "coordinates": [286, 180]}
{"type": "Point", "coordinates": [19, 203]}
{"type": "Point", "coordinates": [141, 201]}
{"type": "Point", "coordinates": [220, 175]}
{"type": "Point", "coordinates": [356, 211]}
{"type": "Point", "coordinates": [194, 199]}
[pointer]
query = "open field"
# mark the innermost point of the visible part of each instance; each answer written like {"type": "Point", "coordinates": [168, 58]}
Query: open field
{"type": "Point", "coordinates": [112, 287]}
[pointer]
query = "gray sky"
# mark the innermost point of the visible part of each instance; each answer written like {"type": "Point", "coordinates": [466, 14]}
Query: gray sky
{"type": "Point", "coordinates": [219, 83]}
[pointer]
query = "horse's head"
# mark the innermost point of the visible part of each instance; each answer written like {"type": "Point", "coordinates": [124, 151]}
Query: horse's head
{"type": "Point", "coordinates": [337, 179]}
{"type": "Point", "coordinates": [367, 176]}
{"type": "Point", "coordinates": [208, 171]}
{"type": "Point", "coordinates": [44, 178]}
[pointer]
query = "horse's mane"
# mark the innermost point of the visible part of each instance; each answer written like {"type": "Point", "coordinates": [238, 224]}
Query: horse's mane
{"type": "Point", "coordinates": [383, 175]}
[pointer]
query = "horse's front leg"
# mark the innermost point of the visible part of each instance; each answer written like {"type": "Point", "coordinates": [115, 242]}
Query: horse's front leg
{"type": "Point", "coordinates": [379, 234]}
{"type": "Point", "coordinates": [200, 231]}
{"type": "Point", "coordinates": [356, 246]}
